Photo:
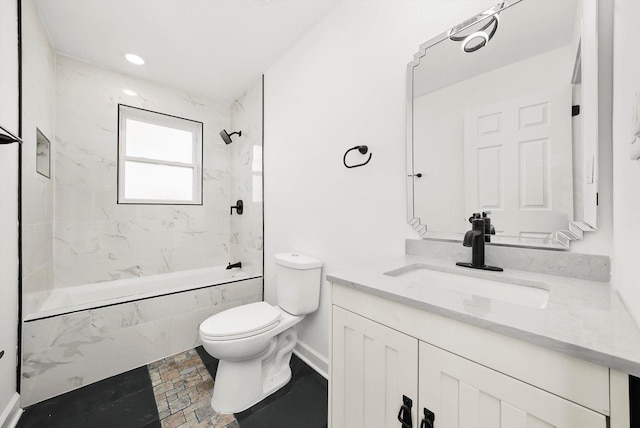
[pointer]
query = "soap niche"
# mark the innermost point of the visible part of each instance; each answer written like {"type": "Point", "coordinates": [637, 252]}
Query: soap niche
{"type": "Point", "coordinates": [43, 154]}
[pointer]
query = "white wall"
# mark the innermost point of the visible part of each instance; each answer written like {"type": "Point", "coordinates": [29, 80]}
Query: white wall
{"type": "Point", "coordinates": [343, 85]}
{"type": "Point", "coordinates": [626, 173]}
{"type": "Point", "coordinates": [8, 209]}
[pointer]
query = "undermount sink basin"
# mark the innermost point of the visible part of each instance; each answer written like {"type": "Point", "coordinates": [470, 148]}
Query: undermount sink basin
{"type": "Point", "coordinates": [493, 286]}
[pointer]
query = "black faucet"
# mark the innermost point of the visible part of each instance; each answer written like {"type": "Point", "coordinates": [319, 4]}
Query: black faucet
{"type": "Point", "coordinates": [235, 265]}
{"type": "Point", "coordinates": [488, 227]}
{"type": "Point", "coordinates": [475, 239]}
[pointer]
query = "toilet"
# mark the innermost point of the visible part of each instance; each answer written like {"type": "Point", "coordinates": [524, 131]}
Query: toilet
{"type": "Point", "coordinates": [254, 342]}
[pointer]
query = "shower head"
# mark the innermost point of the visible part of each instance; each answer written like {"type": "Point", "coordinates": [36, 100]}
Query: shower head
{"type": "Point", "coordinates": [227, 137]}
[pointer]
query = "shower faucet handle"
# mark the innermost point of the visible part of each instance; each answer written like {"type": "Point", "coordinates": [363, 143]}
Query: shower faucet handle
{"type": "Point", "coordinates": [239, 206]}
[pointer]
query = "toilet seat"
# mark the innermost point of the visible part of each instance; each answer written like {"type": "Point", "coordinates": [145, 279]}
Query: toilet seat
{"type": "Point", "coordinates": [240, 322]}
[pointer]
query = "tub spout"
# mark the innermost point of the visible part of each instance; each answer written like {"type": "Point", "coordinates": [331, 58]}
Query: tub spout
{"type": "Point", "coordinates": [235, 265]}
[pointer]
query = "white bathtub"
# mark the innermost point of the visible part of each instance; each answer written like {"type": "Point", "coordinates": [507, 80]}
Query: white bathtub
{"type": "Point", "coordinates": [100, 294]}
{"type": "Point", "coordinates": [87, 333]}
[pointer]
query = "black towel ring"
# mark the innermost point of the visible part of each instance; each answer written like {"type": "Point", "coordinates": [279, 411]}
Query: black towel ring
{"type": "Point", "coordinates": [363, 150]}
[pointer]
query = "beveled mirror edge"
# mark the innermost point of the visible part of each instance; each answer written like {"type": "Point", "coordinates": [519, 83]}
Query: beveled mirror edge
{"type": "Point", "coordinates": [562, 238]}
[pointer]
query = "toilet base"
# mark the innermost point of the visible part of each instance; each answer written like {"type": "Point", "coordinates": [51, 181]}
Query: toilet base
{"type": "Point", "coordinates": [241, 384]}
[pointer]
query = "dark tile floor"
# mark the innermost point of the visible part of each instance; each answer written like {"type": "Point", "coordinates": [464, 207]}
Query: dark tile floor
{"type": "Point", "coordinates": [302, 403]}
{"type": "Point", "coordinates": [124, 401]}
{"type": "Point", "coordinates": [175, 392]}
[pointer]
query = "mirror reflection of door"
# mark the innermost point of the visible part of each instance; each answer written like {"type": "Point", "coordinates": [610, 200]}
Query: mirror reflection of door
{"type": "Point", "coordinates": [518, 163]}
{"type": "Point", "coordinates": [522, 60]}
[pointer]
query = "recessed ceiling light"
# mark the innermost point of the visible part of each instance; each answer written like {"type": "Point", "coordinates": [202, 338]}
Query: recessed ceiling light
{"type": "Point", "coordinates": [130, 92]}
{"type": "Point", "coordinates": [134, 59]}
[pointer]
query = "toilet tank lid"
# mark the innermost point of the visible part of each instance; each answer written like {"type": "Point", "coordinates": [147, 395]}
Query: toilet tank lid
{"type": "Point", "coordinates": [297, 261]}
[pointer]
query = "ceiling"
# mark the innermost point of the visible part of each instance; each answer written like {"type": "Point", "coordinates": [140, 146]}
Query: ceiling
{"type": "Point", "coordinates": [212, 48]}
{"type": "Point", "coordinates": [526, 29]}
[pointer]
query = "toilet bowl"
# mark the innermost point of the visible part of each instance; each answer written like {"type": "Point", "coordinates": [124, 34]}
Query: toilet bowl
{"type": "Point", "coordinates": [254, 342]}
{"type": "Point", "coordinates": [254, 354]}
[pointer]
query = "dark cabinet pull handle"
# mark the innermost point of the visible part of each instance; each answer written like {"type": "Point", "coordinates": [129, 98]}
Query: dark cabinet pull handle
{"type": "Point", "coordinates": [404, 415]}
{"type": "Point", "coordinates": [429, 419]}
{"type": "Point", "coordinates": [1, 354]}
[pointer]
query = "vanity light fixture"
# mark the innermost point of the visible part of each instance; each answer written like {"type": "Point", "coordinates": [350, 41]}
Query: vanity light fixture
{"type": "Point", "coordinates": [474, 41]}
{"type": "Point", "coordinates": [134, 59]}
{"type": "Point", "coordinates": [477, 39]}
{"type": "Point", "coordinates": [130, 92]}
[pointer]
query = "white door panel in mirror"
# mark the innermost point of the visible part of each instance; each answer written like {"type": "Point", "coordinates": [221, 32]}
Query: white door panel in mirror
{"type": "Point", "coordinates": [517, 154]}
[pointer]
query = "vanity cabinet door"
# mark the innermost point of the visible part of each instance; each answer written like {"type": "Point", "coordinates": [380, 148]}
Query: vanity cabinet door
{"type": "Point", "coordinates": [465, 394]}
{"type": "Point", "coordinates": [373, 366]}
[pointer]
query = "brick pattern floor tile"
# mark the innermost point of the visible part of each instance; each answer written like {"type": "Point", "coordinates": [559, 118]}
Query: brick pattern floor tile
{"type": "Point", "coordinates": [182, 387]}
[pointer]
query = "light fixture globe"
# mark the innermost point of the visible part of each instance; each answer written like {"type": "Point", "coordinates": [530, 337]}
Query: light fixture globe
{"type": "Point", "coordinates": [474, 41]}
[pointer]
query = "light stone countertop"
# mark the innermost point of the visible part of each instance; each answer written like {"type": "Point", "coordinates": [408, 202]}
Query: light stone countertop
{"type": "Point", "coordinates": [583, 319]}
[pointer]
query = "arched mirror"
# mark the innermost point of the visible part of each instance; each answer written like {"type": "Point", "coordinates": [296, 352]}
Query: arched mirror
{"type": "Point", "coordinates": [503, 119]}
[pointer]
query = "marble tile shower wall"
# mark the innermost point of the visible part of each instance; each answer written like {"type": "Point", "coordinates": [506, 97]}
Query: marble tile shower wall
{"type": "Point", "coordinates": [97, 239]}
{"type": "Point", "coordinates": [246, 179]}
{"type": "Point", "coordinates": [38, 92]}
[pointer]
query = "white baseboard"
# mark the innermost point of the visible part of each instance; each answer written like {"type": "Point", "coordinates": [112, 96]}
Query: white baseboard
{"type": "Point", "coordinates": [11, 415]}
{"type": "Point", "coordinates": [316, 361]}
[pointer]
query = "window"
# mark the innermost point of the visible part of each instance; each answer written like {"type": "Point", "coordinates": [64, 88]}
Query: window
{"type": "Point", "coordinates": [159, 158]}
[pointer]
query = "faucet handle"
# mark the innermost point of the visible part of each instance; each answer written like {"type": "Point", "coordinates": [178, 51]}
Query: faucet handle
{"type": "Point", "coordinates": [474, 216]}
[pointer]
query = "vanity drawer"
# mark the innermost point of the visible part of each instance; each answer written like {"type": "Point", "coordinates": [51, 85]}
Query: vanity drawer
{"type": "Point", "coordinates": [574, 379]}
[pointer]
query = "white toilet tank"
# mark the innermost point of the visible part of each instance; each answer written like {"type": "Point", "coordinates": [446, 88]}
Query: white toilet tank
{"type": "Point", "coordinates": [298, 283]}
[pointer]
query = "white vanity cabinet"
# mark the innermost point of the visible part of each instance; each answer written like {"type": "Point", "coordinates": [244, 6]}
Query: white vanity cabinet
{"type": "Point", "coordinates": [466, 394]}
{"type": "Point", "coordinates": [468, 376]}
{"type": "Point", "coordinates": [373, 366]}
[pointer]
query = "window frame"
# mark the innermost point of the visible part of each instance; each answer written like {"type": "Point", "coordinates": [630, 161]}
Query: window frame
{"type": "Point", "coordinates": [162, 119]}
